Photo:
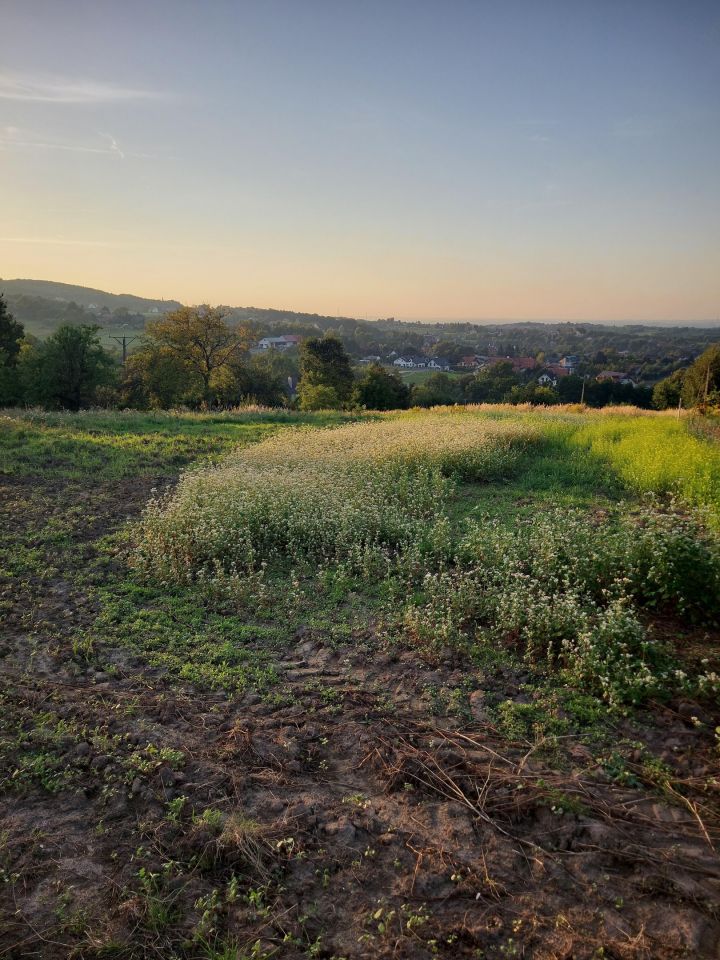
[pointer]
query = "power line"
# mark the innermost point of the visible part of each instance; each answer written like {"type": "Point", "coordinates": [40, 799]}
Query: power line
{"type": "Point", "coordinates": [124, 341]}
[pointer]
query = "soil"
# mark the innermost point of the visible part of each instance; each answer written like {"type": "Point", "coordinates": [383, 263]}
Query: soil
{"type": "Point", "coordinates": [354, 822]}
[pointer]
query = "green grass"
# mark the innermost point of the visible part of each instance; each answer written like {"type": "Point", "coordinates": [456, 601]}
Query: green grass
{"type": "Point", "coordinates": [226, 633]}
{"type": "Point", "coordinates": [657, 454]}
{"type": "Point", "coordinates": [114, 444]}
{"type": "Point", "coordinates": [421, 376]}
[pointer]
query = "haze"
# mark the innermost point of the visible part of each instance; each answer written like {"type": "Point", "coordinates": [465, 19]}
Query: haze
{"type": "Point", "coordinates": [426, 159]}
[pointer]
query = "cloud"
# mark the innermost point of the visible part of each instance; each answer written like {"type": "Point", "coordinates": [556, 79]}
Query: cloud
{"type": "Point", "coordinates": [15, 138]}
{"type": "Point", "coordinates": [54, 89]}
{"type": "Point", "coordinates": [114, 146]}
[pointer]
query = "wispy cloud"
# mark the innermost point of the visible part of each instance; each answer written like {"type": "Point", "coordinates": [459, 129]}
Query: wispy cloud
{"type": "Point", "coordinates": [17, 139]}
{"type": "Point", "coordinates": [114, 145]}
{"type": "Point", "coordinates": [54, 89]}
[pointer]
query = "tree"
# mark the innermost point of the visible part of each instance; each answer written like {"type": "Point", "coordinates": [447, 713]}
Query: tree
{"type": "Point", "coordinates": [379, 390]}
{"type": "Point", "coordinates": [201, 338]}
{"type": "Point", "coordinates": [11, 333]}
{"type": "Point", "coordinates": [318, 396]}
{"type": "Point", "coordinates": [158, 377]}
{"type": "Point", "coordinates": [66, 370]}
{"type": "Point", "coordinates": [259, 380]}
{"type": "Point", "coordinates": [491, 384]}
{"type": "Point", "coordinates": [324, 363]}
{"type": "Point", "coordinates": [702, 379]}
{"type": "Point", "coordinates": [667, 392]}
{"type": "Point", "coordinates": [438, 390]}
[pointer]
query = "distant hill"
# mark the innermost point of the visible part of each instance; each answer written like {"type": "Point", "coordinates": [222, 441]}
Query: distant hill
{"type": "Point", "coordinates": [84, 296]}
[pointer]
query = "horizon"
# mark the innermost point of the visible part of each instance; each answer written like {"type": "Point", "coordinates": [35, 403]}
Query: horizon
{"type": "Point", "coordinates": [700, 323]}
{"type": "Point", "coordinates": [534, 163]}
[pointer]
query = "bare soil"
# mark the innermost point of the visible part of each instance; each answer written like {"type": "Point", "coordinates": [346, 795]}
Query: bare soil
{"type": "Point", "coordinates": [353, 820]}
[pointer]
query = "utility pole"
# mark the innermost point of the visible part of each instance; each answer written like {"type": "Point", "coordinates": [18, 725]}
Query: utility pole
{"type": "Point", "coordinates": [707, 383]}
{"type": "Point", "coordinates": [582, 392]}
{"type": "Point", "coordinates": [124, 341]}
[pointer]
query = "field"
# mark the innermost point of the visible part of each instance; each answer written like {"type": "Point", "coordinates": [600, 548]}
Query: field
{"type": "Point", "coordinates": [419, 376]}
{"type": "Point", "coordinates": [419, 684]}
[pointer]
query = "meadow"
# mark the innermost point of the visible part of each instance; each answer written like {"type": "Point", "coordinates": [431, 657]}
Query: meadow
{"type": "Point", "coordinates": [393, 512]}
{"type": "Point", "coordinates": [302, 685]}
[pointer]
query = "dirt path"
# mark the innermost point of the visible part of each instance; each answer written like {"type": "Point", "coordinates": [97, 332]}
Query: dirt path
{"type": "Point", "coordinates": [344, 818]}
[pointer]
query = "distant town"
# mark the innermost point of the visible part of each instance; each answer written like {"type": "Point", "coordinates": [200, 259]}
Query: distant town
{"type": "Point", "coordinates": [441, 362]}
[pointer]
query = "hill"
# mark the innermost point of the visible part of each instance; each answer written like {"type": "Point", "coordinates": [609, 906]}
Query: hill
{"type": "Point", "coordinates": [84, 296]}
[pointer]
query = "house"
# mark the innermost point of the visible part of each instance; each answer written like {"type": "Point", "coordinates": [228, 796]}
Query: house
{"type": "Point", "coordinates": [558, 370]}
{"type": "Point", "coordinates": [369, 360]}
{"type": "Point", "coordinates": [411, 363]}
{"type": "Point", "coordinates": [469, 362]}
{"type": "Point", "coordinates": [570, 363]}
{"type": "Point", "coordinates": [547, 380]}
{"type": "Point", "coordinates": [521, 364]}
{"type": "Point", "coordinates": [615, 376]}
{"type": "Point", "coordinates": [279, 343]}
{"type": "Point", "coordinates": [438, 363]}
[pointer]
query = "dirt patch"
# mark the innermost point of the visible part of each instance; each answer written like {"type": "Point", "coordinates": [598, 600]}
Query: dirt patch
{"type": "Point", "coordinates": [342, 818]}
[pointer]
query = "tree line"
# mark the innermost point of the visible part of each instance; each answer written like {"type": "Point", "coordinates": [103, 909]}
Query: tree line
{"type": "Point", "coordinates": [194, 357]}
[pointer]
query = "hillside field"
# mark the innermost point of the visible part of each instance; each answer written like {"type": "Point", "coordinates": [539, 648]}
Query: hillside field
{"type": "Point", "coordinates": [412, 685]}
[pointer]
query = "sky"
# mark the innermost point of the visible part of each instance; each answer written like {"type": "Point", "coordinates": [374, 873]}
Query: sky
{"type": "Point", "coordinates": [427, 159]}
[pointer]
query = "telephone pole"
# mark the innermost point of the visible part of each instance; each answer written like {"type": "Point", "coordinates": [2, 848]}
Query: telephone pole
{"type": "Point", "coordinates": [124, 341]}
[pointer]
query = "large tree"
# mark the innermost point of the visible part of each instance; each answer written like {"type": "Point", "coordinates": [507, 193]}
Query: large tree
{"type": "Point", "coordinates": [11, 335]}
{"type": "Point", "coordinates": [379, 390]}
{"type": "Point", "coordinates": [66, 370]}
{"type": "Point", "coordinates": [201, 338]}
{"type": "Point", "coordinates": [667, 392]}
{"type": "Point", "coordinates": [324, 364]}
{"type": "Point", "coordinates": [159, 377]}
{"type": "Point", "coordinates": [701, 383]}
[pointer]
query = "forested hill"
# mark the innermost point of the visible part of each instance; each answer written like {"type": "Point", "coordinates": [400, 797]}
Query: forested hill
{"type": "Point", "coordinates": [42, 306]}
{"type": "Point", "coordinates": [83, 296]}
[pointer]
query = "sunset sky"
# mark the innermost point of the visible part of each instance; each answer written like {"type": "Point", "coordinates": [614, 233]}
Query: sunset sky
{"type": "Point", "coordinates": [446, 159]}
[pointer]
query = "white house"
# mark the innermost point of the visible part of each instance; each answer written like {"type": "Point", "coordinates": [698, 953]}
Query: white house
{"type": "Point", "coordinates": [437, 363]}
{"type": "Point", "coordinates": [279, 343]}
{"type": "Point", "coordinates": [412, 363]}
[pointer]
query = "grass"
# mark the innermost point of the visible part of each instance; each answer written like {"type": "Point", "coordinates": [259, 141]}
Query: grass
{"type": "Point", "coordinates": [477, 525]}
{"type": "Point", "coordinates": [421, 376]}
{"type": "Point", "coordinates": [505, 546]}
{"type": "Point", "coordinates": [657, 454]}
{"type": "Point", "coordinates": [115, 444]}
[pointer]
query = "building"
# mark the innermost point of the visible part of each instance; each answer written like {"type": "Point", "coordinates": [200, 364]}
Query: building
{"type": "Point", "coordinates": [279, 343]}
{"type": "Point", "coordinates": [469, 362]}
{"type": "Point", "coordinates": [411, 363]}
{"type": "Point", "coordinates": [521, 364]}
{"type": "Point", "coordinates": [438, 363]}
{"type": "Point", "coordinates": [615, 376]}
{"type": "Point", "coordinates": [570, 363]}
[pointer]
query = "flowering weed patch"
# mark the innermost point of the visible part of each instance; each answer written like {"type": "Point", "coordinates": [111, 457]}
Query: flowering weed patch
{"type": "Point", "coordinates": [371, 509]}
{"type": "Point", "coordinates": [327, 494]}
